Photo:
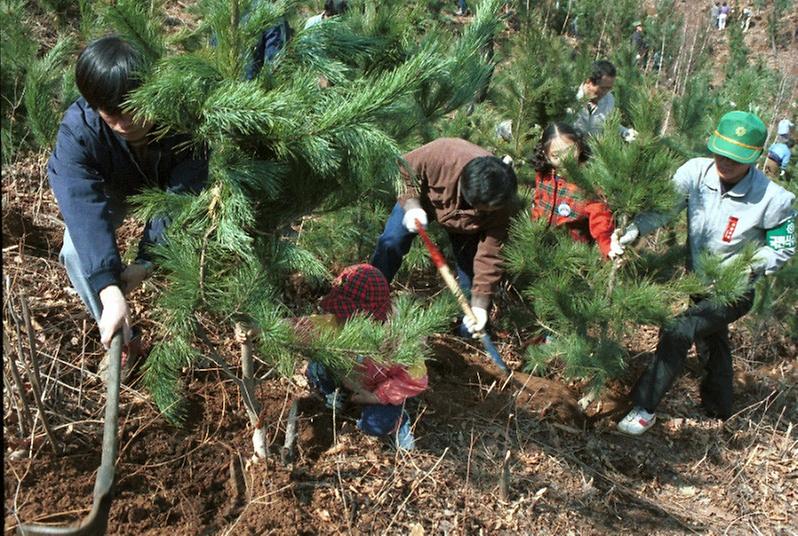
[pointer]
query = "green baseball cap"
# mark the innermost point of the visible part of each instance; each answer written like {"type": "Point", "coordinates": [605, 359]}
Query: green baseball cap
{"type": "Point", "coordinates": [740, 136]}
{"type": "Point", "coordinates": [637, 23]}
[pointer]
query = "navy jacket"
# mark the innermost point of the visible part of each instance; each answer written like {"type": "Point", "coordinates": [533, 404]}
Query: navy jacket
{"type": "Point", "coordinates": [92, 171]}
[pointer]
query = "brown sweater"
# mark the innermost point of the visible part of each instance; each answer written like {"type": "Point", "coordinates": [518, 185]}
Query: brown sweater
{"type": "Point", "coordinates": [433, 177]}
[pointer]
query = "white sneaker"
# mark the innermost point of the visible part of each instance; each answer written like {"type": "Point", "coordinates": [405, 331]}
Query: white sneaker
{"type": "Point", "coordinates": [637, 422]}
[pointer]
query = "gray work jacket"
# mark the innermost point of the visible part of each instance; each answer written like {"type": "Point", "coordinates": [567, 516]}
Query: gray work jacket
{"type": "Point", "coordinates": [724, 223]}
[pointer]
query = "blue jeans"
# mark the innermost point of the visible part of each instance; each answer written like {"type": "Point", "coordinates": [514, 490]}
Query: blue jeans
{"type": "Point", "coordinates": [395, 242]}
{"type": "Point", "coordinates": [375, 419]}
{"type": "Point", "coordinates": [69, 258]}
{"type": "Point", "coordinates": [462, 5]}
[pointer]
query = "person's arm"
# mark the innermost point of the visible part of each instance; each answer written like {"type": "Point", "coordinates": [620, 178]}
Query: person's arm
{"type": "Point", "coordinates": [779, 222]}
{"type": "Point", "coordinates": [412, 177]}
{"type": "Point", "coordinates": [488, 268]}
{"type": "Point", "coordinates": [79, 190]}
{"type": "Point", "coordinates": [188, 176]}
{"type": "Point", "coordinates": [785, 160]}
{"type": "Point", "coordinates": [683, 180]}
{"type": "Point", "coordinates": [600, 224]}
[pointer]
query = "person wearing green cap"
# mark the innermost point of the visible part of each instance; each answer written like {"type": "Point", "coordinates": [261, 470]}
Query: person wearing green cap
{"type": "Point", "coordinates": [730, 204]}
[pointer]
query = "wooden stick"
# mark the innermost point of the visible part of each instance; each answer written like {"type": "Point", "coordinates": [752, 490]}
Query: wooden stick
{"type": "Point", "coordinates": [12, 365]}
{"type": "Point", "coordinates": [287, 452]}
{"type": "Point", "coordinates": [33, 371]}
{"type": "Point", "coordinates": [14, 401]}
{"type": "Point", "coordinates": [504, 480]}
{"type": "Point", "coordinates": [248, 382]}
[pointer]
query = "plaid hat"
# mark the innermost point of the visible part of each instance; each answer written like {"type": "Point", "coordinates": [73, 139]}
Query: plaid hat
{"type": "Point", "coordinates": [740, 136]}
{"type": "Point", "coordinates": [361, 287]}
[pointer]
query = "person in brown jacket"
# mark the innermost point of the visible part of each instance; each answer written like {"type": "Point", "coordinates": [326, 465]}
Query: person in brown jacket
{"type": "Point", "coordinates": [470, 193]}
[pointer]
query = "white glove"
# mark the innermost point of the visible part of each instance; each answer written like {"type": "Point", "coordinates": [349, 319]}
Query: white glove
{"type": "Point", "coordinates": [115, 315]}
{"type": "Point", "coordinates": [482, 319]}
{"type": "Point", "coordinates": [616, 249]}
{"type": "Point", "coordinates": [630, 235]}
{"type": "Point", "coordinates": [630, 135]}
{"type": "Point", "coordinates": [409, 221]}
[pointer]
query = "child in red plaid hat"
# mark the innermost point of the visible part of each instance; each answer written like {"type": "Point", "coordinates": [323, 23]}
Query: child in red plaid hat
{"type": "Point", "coordinates": [382, 388]}
{"type": "Point", "coordinates": [563, 203]}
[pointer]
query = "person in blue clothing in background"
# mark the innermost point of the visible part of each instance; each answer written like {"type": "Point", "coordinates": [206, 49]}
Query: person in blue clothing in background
{"type": "Point", "coordinates": [779, 154]}
{"type": "Point", "coordinates": [102, 156]}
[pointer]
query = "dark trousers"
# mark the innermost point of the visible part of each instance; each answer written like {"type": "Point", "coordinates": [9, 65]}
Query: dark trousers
{"type": "Point", "coordinates": [375, 419]}
{"type": "Point", "coordinates": [395, 242]}
{"type": "Point", "coordinates": [708, 326]}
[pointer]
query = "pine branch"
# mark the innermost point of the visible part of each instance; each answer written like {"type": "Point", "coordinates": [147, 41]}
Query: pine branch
{"type": "Point", "coordinates": [42, 100]}
{"type": "Point", "coordinates": [136, 24]}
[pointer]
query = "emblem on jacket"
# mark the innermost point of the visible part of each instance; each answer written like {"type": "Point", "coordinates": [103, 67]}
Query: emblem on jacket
{"type": "Point", "coordinates": [730, 227]}
{"type": "Point", "coordinates": [564, 210]}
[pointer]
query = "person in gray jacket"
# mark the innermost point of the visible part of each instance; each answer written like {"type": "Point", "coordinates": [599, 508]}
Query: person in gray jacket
{"type": "Point", "coordinates": [730, 205]}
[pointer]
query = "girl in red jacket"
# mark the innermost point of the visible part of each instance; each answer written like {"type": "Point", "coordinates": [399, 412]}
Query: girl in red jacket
{"type": "Point", "coordinates": [563, 203]}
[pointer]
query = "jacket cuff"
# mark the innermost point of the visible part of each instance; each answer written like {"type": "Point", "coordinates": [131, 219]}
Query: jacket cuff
{"type": "Point", "coordinates": [480, 300]}
{"type": "Point", "coordinates": [104, 278]}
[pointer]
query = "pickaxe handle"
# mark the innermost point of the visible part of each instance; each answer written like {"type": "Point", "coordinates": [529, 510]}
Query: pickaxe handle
{"type": "Point", "coordinates": [448, 278]}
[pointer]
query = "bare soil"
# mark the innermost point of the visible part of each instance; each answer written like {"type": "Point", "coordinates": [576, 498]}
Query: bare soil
{"type": "Point", "coordinates": [566, 474]}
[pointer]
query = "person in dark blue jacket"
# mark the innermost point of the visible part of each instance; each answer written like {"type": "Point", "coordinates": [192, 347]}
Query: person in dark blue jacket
{"type": "Point", "coordinates": [103, 155]}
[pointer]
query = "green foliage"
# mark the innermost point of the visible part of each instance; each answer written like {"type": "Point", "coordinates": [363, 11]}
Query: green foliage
{"type": "Point", "coordinates": [18, 52]}
{"type": "Point", "coordinates": [725, 281]}
{"type": "Point", "coordinates": [286, 149]}
{"type": "Point", "coordinates": [630, 177]}
{"type": "Point", "coordinates": [692, 116]}
{"type": "Point", "coordinates": [586, 315]}
{"type": "Point", "coordinates": [738, 52]}
{"type": "Point", "coordinates": [402, 339]}
{"type": "Point", "coordinates": [538, 87]}
{"type": "Point", "coordinates": [44, 82]}
{"type": "Point", "coordinates": [140, 24]}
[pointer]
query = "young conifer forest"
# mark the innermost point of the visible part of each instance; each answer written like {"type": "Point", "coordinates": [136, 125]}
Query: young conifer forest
{"type": "Point", "coordinates": [217, 318]}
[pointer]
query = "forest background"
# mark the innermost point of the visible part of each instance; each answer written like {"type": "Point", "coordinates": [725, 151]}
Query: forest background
{"type": "Point", "coordinates": [564, 472]}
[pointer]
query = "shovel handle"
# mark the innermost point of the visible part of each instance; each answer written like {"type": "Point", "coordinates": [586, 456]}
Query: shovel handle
{"type": "Point", "coordinates": [445, 272]}
{"type": "Point", "coordinates": [96, 522]}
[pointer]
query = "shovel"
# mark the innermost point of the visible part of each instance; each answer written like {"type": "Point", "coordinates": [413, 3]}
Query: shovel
{"type": "Point", "coordinates": [448, 278]}
{"type": "Point", "coordinates": [96, 522]}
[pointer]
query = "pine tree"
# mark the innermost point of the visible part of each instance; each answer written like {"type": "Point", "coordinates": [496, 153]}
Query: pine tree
{"type": "Point", "coordinates": [282, 147]}
{"type": "Point", "coordinates": [36, 90]}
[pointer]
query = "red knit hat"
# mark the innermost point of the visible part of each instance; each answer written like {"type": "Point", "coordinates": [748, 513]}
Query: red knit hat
{"type": "Point", "coordinates": [361, 287]}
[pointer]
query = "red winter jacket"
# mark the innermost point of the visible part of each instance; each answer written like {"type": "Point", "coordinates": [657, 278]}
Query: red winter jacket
{"type": "Point", "coordinates": [564, 203]}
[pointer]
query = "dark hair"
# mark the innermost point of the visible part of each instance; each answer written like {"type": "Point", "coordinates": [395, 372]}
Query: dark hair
{"type": "Point", "coordinates": [539, 160]}
{"type": "Point", "coordinates": [107, 70]}
{"type": "Point", "coordinates": [487, 181]}
{"type": "Point", "coordinates": [600, 69]}
{"type": "Point", "coordinates": [334, 7]}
